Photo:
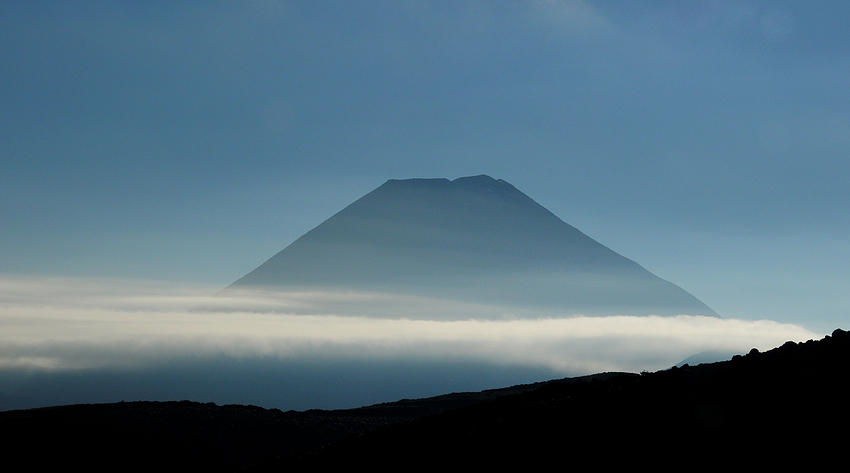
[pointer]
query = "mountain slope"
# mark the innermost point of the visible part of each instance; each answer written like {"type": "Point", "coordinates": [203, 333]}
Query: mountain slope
{"type": "Point", "coordinates": [474, 239]}
{"type": "Point", "coordinates": [785, 404]}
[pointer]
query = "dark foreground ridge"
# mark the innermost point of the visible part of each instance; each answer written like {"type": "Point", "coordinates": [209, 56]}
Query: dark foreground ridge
{"type": "Point", "coordinates": [761, 409]}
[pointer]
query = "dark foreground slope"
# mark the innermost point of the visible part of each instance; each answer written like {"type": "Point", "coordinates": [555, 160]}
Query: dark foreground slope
{"type": "Point", "coordinates": [473, 239]}
{"type": "Point", "coordinates": [768, 408]}
{"type": "Point", "coordinates": [763, 409]}
{"type": "Point", "coordinates": [192, 436]}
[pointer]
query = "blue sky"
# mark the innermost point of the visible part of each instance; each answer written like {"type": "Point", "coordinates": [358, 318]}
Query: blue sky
{"type": "Point", "coordinates": [187, 142]}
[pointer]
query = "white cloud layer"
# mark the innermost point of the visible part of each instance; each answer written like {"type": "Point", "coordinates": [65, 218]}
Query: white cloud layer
{"type": "Point", "coordinates": [67, 324]}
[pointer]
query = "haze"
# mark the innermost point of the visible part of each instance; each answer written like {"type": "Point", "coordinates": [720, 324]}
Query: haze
{"type": "Point", "coordinates": [152, 154]}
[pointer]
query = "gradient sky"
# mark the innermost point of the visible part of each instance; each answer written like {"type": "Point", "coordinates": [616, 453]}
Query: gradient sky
{"type": "Point", "coordinates": [188, 142]}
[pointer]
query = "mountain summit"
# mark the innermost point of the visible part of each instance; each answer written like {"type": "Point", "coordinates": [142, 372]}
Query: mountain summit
{"type": "Point", "coordinates": [474, 239]}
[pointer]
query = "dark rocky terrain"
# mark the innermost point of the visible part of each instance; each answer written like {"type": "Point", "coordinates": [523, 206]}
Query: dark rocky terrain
{"type": "Point", "coordinates": [197, 436]}
{"type": "Point", "coordinates": [785, 405]}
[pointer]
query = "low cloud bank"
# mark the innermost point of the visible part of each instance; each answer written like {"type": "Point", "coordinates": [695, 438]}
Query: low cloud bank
{"type": "Point", "coordinates": [70, 324]}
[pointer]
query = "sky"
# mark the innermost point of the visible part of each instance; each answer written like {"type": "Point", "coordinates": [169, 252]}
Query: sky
{"type": "Point", "coordinates": [159, 151]}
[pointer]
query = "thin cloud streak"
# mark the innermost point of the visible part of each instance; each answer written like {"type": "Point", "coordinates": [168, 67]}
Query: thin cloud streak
{"type": "Point", "coordinates": [68, 324]}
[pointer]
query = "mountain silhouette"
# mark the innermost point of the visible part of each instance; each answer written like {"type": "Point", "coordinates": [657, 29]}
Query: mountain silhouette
{"type": "Point", "coordinates": [762, 409]}
{"type": "Point", "coordinates": [473, 239]}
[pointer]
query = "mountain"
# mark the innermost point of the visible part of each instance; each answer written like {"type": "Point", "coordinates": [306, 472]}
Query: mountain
{"type": "Point", "coordinates": [760, 409]}
{"type": "Point", "coordinates": [474, 239]}
{"type": "Point", "coordinates": [786, 405]}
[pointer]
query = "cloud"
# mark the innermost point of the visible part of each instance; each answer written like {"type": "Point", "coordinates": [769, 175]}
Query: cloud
{"type": "Point", "coordinates": [71, 324]}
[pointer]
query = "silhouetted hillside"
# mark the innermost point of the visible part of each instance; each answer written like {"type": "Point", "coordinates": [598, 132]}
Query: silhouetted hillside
{"type": "Point", "coordinates": [769, 408]}
{"type": "Point", "coordinates": [472, 239]}
{"type": "Point", "coordinates": [787, 404]}
{"type": "Point", "coordinates": [195, 436]}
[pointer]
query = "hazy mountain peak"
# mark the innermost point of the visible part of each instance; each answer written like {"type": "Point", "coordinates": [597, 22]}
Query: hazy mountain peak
{"type": "Point", "coordinates": [475, 239]}
{"type": "Point", "coordinates": [482, 182]}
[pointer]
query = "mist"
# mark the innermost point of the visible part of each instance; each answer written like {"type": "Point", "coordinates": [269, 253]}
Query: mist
{"type": "Point", "coordinates": [70, 340]}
